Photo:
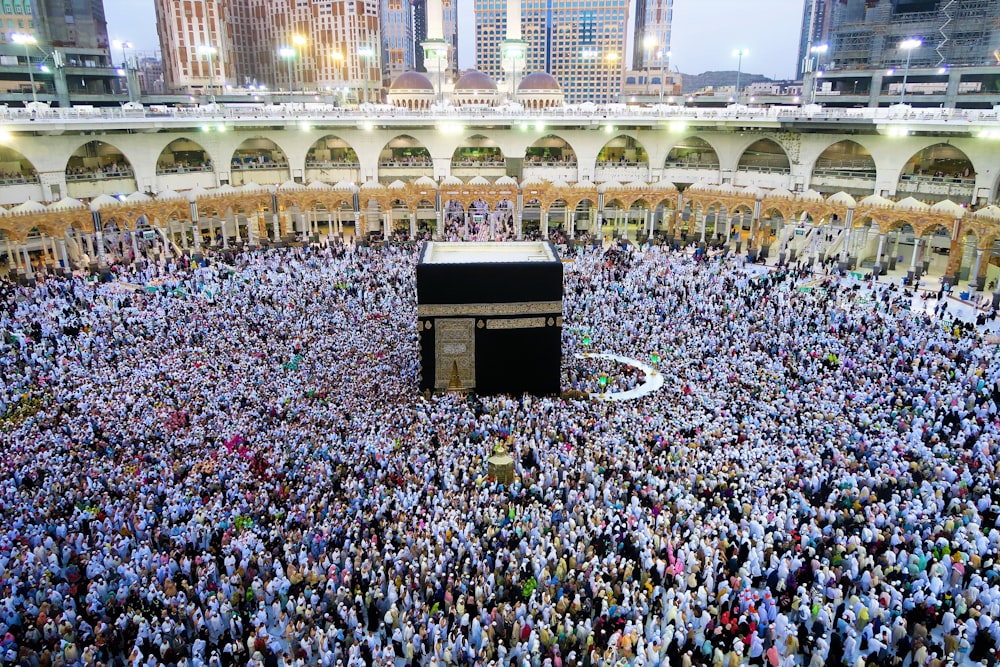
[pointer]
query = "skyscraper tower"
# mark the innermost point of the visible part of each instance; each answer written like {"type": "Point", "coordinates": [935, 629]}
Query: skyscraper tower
{"type": "Point", "coordinates": [491, 30]}
{"type": "Point", "coordinates": [54, 35]}
{"type": "Point", "coordinates": [196, 43]}
{"type": "Point", "coordinates": [398, 49]}
{"type": "Point", "coordinates": [80, 24]}
{"type": "Point", "coordinates": [582, 45]}
{"type": "Point", "coordinates": [419, 33]}
{"type": "Point", "coordinates": [817, 19]}
{"type": "Point", "coordinates": [288, 46]}
{"type": "Point", "coordinates": [651, 47]}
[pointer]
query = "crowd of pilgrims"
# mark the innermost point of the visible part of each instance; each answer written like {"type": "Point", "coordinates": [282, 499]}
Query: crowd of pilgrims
{"type": "Point", "coordinates": [235, 468]}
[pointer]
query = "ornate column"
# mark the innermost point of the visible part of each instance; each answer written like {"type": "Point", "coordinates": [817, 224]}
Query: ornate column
{"type": "Point", "coordinates": [29, 271]}
{"type": "Point", "coordinates": [878, 254]}
{"type": "Point", "coordinates": [955, 256]}
{"type": "Point", "coordinates": [913, 261]}
{"type": "Point", "coordinates": [544, 220]}
{"type": "Point", "coordinates": [63, 255]}
{"type": "Point", "coordinates": [519, 217]}
{"type": "Point", "coordinates": [981, 268]}
{"type": "Point", "coordinates": [413, 225]}
{"type": "Point", "coordinates": [13, 263]}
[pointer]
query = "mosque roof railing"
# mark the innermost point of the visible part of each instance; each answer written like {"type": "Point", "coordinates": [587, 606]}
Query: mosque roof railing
{"type": "Point", "coordinates": [980, 123]}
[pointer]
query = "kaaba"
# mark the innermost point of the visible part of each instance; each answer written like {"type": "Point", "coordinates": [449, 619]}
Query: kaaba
{"type": "Point", "coordinates": [489, 317]}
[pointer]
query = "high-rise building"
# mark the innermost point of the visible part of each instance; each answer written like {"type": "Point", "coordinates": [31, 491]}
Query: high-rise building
{"type": "Point", "coordinates": [49, 36]}
{"type": "Point", "coordinates": [419, 33]}
{"type": "Point", "coordinates": [582, 45]}
{"type": "Point", "coordinates": [79, 24]}
{"type": "Point", "coordinates": [817, 20]}
{"type": "Point", "coordinates": [491, 31]}
{"type": "Point", "coordinates": [196, 39]}
{"type": "Point", "coordinates": [398, 47]}
{"type": "Point", "coordinates": [16, 19]}
{"type": "Point", "coordinates": [653, 21]}
{"type": "Point", "coordinates": [316, 46]}
{"type": "Point", "coordinates": [868, 33]}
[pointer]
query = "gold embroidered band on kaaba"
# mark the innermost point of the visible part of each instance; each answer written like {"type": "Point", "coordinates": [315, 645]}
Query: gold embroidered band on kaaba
{"type": "Point", "coordinates": [489, 309]}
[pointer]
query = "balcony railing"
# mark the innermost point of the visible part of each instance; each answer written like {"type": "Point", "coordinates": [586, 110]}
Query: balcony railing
{"type": "Point", "coordinates": [332, 164]}
{"type": "Point", "coordinates": [247, 166]}
{"type": "Point", "coordinates": [100, 175]}
{"type": "Point", "coordinates": [19, 180]}
{"type": "Point", "coordinates": [596, 113]}
{"type": "Point", "coordinates": [160, 171]}
{"type": "Point", "coordinates": [844, 173]}
{"type": "Point", "coordinates": [691, 165]}
{"type": "Point", "coordinates": [397, 164]}
{"type": "Point", "coordinates": [763, 169]}
{"type": "Point", "coordinates": [946, 180]}
{"type": "Point", "coordinates": [484, 164]}
{"type": "Point", "coordinates": [610, 164]}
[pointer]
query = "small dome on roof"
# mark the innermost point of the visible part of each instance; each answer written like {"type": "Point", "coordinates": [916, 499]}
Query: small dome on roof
{"type": "Point", "coordinates": [948, 207]}
{"type": "Point", "coordinates": [475, 81]}
{"type": "Point", "coordinates": [539, 81]}
{"type": "Point", "coordinates": [842, 199]}
{"type": "Point", "coordinates": [912, 204]}
{"type": "Point", "coordinates": [412, 81]}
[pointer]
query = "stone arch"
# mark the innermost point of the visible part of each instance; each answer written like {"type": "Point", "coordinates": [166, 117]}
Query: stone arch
{"type": "Point", "coordinates": [623, 150]}
{"type": "Point", "coordinates": [332, 151]}
{"type": "Point", "coordinates": [550, 150]}
{"type": "Point", "coordinates": [477, 150]}
{"type": "Point", "coordinates": [97, 167]}
{"type": "Point", "coordinates": [531, 215]}
{"type": "Point", "coordinates": [692, 152]}
{"type": "Point", "coordinates": [426, 211]}
{"type": "Point", "coordinates": [15, 167]}
{"type": "Point", "coordinates": [399, 218]}
{"type": "Point", "coordinates": [182, 155]}
{"type": "Point", "coordinates": [404, 158]}
{"type": "Point", "coordinates": [938, 171]}
{"type": "Point", "coordinates": [764, 155]}
{"type": "Point", "coordinates": [259, 160]}
{"type": "Point", "coordinates": [98, 157]}
{"type": "Point", "coordinates": [846, 166]}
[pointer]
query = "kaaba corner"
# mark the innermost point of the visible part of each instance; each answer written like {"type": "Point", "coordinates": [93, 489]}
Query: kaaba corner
{"type": "Point", "coordinates": [489, 317]}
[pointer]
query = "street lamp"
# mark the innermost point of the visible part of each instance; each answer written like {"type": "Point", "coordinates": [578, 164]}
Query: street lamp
{"type": "Point", "coordinates": [649, 42]}
{"type": "Point", "coordinates": [664, 68]}
{"type": "Point", "coordinates": [119, 44]}
{"type": "Point", "coordinates": [210, 51]}
{"type": "Point", "coordinates": [818, 50]}
{"type": "Point", "coordinates": [739, 53]}
{"type": "Point", "coordinates": [288, 53]}
{"type": "Point", "coordinates": [299, 43]}
{"type": "Point", "coordinates": [366, 52]}
{"type": "Point", "coordinates": [338, 58]}
{"type": "Point", "coordinates": [28, 41]}
{"type": "Point", "coordinates": [907, 45]}
{"type": "Point", "coordinates": [611, 59]}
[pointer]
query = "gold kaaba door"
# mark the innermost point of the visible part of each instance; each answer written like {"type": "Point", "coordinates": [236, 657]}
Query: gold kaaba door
{"type": "Point", "coordinates": [455, 353]}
